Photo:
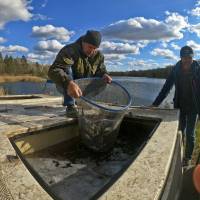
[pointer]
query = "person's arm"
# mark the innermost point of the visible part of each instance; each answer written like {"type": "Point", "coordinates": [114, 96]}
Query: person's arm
{"type": "Point", "coordinates": [57, 71]}
{"type": "Point", "coordinates": [74, 90]}
{"type": "Point", "coordinates": [165, 89]}
{"type": "Point", "coordinates": [196, 87]}
{"type": "Point", "coordinates": [102, 72]}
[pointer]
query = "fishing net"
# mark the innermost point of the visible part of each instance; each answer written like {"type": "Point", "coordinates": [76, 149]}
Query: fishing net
{"type": "Point", "coordinates": [101, 110]}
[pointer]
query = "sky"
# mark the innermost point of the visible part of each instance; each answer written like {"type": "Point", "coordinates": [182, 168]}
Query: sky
{"type": "Point", "coordinates": [137, 34]}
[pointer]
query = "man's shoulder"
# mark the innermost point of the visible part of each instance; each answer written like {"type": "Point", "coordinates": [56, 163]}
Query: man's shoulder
{"type": "Point", "coordinates": [197, 63]}
{"type": "Point", "coordinates": [99, 54]}
{"type": "Point", "coordinates": [196, 67]}
{"type": "Point", "coordinates": [176, 67]}
{"type": "Point", "coordinates": [71, 49]}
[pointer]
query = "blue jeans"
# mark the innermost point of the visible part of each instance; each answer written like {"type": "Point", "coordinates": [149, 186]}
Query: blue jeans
{"type": "Point", "coordinates": [68, 100]}
{"type": "Point", "coordinates": [187, 125]}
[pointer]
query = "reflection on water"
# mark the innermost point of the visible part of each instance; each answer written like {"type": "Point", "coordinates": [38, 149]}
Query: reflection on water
{"type": "Point", "coordinates": [143, 90]}
{"type": "Point", "coordinates": [29, 88]}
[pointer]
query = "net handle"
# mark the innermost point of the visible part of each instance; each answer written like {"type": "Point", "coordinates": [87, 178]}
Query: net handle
{"type": "Point", "coordinates": [105, 108]}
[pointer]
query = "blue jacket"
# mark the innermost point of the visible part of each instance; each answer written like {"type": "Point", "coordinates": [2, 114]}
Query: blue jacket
{"type": "Point", "coordinates": [173, 80]}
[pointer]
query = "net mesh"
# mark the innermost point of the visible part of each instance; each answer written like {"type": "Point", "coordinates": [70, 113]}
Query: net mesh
{"type": "Point", "coordinates": [101, 110]}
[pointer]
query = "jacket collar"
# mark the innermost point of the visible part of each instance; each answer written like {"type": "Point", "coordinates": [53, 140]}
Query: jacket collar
{"type": "Point", "coordinates": [79, 44]}
{"type": "Point", "coordinates": [194, 66]}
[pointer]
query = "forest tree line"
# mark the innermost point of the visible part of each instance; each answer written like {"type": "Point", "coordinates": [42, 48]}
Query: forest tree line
{"type": "Point", "coordinates": [20, 66]}
{"type": "Point", "coordinates": [151, 73]}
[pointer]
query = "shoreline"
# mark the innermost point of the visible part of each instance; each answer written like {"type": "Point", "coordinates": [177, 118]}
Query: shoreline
{"type": "Point", "coordinates": [13, 78]}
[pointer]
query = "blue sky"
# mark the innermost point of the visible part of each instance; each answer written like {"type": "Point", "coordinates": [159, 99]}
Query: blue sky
{"type": "Point", "coordinates": [137, 34]}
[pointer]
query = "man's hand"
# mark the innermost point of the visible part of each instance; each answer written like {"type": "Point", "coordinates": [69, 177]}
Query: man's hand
{"type": "Point", "coordinates": [107, 78]}
{"type": "Point", "coordinates": [73, 90]}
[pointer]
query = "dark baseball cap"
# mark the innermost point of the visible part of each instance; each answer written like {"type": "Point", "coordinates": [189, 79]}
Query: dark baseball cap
{"type": "Point", "coordinates": [92, 37]}
{"type": "Point", "coordinates": [186, 51]}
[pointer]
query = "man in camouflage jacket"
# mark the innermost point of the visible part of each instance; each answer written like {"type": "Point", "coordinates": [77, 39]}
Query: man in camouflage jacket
{"type": "Point", "coordinates": [80, 59]}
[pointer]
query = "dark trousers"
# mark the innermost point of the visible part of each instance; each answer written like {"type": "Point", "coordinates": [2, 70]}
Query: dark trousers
{"type": "Point", "coordinates": [187, 123]}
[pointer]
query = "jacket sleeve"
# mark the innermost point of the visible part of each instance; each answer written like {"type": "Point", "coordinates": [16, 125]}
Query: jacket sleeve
{"type": "Point", "coordinates": [101, 69]}
{"type": "Point", "coordinates": [196, 88]}
{"type": "Point", "coordinates": [165, 89]}
{"type": "Point", "coordinates": [58, 70]}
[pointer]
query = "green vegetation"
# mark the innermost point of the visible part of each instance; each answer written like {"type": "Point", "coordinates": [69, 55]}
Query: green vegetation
{"type": "Point", "coordinates": [197, 143]}
{"type": "Point", "coordinates": [20, 66]}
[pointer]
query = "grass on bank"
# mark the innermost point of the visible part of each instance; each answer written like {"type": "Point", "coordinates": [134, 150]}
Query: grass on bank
{"type": "Point", "coordinates": [197, 143]}
{"type": "Point", "coordinates": [12, 78]}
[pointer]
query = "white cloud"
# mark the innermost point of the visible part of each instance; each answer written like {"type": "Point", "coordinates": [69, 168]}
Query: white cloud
{"type": "Point", "coordinates": [164, 44]}
{"type": "Point", "coordinates": [195, 11]}
{"type": "Point", "coordinates": [40, 17]}
{"type": "Point", "coordinates": [2, 40]}
{"type": "Point", "coordinates": [45, 51]}
{"type": "Point", "coordinates": [119, 48]}
{"type": "Point", "coordinates": [176, 23]}
{"type": "Point", "coordinates": [194, 45]}
{"type": "Point", "coordinates": [13, 49]}
{"type": "Point", "coordinates": [112, 57]}
{"type": "Point", "coordinates": [197, 54]}
{"type": "Point", "coordinates": [48, 45]}
{"type": "Point", "coordinates": [135, 64]}
{"type": "Point", "coordinates": [167, 64]}
{"type": "Point", "coordinates": [52, 32]}
{"type": "Point", "coordinates": [175, 46]}
{"type": "Point", "coordinates": [44, 58]}
{"type": "Point", "coordinates": [138, 63]}
{"type": "Point", "coordinates": [142, 43]}
{"type": "Point", "coordinates": [34, 56]}
{"type": "Point", "coordinates": [165, 53]}
{"type": "Point", "coordinates": [142, 64]}
{"type": "Point", "coordinates": [114, 65]}
{"type": "Point", "coordinates": [139, 28]}
{"type": "Point", "coordinates": [195, 29]}
{"type": "Point", "coordinates": [14, 10]}
{"type": "Point", "coordinates": [167, 12]}
{"type": "Point", "coordinates": [197, 3]}
{"type": "Point", "coordinates": [44, 4]}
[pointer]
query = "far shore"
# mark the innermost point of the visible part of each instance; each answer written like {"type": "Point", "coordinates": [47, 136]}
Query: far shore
{"type": "Point", "coordinates": [24, 78]}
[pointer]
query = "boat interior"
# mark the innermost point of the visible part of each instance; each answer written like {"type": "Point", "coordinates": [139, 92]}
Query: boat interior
{"type": "Point", "coordinates": [66, 169]}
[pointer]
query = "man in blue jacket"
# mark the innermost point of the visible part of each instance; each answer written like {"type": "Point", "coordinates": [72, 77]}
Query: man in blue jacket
{"type": "Point", "coordinates": [185, 75]}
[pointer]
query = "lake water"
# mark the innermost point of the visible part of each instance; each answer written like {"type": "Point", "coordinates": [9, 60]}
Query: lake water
{"type": "Point", "coordinates": [142, 90]}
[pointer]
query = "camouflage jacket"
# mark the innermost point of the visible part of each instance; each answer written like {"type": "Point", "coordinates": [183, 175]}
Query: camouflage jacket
{"type": "Point", "coordinates": [72, 58]}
